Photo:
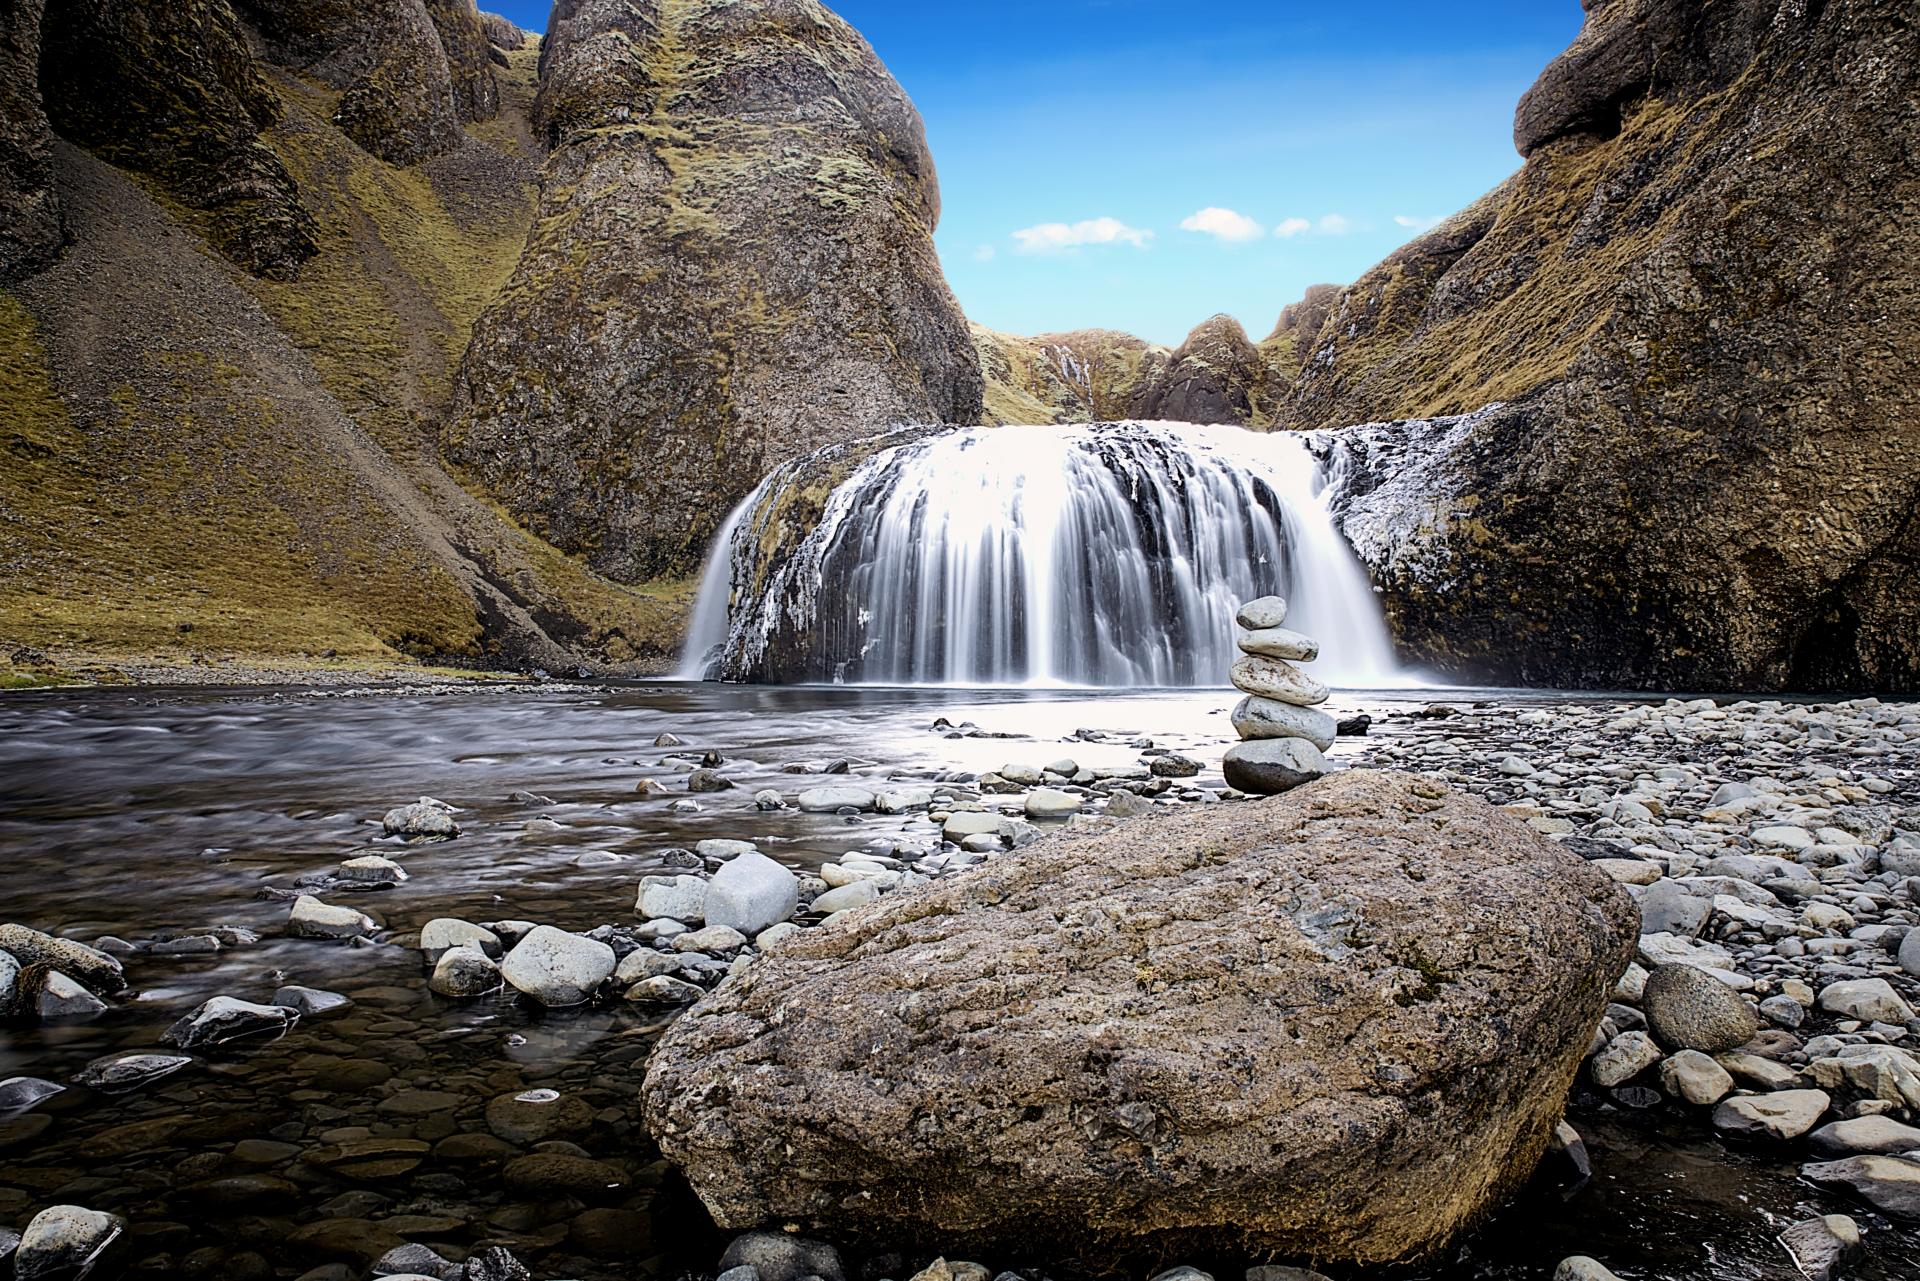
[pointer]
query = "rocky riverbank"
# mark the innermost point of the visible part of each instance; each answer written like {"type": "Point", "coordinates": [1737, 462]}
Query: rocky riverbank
{"type": "Point", "coordinates": [394, 1116]}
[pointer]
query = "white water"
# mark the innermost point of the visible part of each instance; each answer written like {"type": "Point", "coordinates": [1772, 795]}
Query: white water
{"type": "Point", "coordinates": [1108, 555]}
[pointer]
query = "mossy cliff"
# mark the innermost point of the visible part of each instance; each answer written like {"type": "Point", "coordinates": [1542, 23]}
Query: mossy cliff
{"type": "Point", "coordinates": [213, 452]}
{"type": "Point", "coordinates": [732, 264]}
{"type": "Point", "coordinates": [1695, 308]}
{"type": "Point", "coordinates": [1089, 375]}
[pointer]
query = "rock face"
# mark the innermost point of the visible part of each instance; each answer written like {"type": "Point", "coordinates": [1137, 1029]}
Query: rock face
{"type": "Point", "coordinates": [1087, 376]}
{"type": "Point", "coordinates": [469, 53]}
{"type": "Point", "coordinates": [733, 265]}
{"type": "Point", "coordinates": [171, 90]}
{"type": "Point", "coordinates": [398, 98]}
{"type": "Point", "coordinates": [1205, 1027]}
{"type": "Point", "coordinates": [1216, 376]}
{"type": "Point", "coordinates": [1682, 337]}
{"type": "Point", "coordinates": [31, 231]}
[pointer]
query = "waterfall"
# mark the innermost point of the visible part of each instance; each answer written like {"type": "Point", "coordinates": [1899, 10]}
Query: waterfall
{"type": "Point", "coordinates": [1113, 555]}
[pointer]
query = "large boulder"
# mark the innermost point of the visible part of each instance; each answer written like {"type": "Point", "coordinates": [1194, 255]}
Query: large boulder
{"type": "Point", "coordinates": [1649, 413]}
{"type": "Point", "coordinates": [1341, 1024]}
{"type": "Point", "coordinates": [733, 265]}
{"type": "Point", "coordinates": [1216, 376]}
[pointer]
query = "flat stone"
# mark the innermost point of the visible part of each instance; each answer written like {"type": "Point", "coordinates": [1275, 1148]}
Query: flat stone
{"type": "Point", "coordinates": [859, 894]}
{"type": "Point", "coordinates": [830, 800]}
{"type": "Point", "coordinates": [1255, 717]}
{"type": "Point", "coordinates": [123, 1073]}
{"type": "Point", "coordinates": [1865, 1136]}
{"type": "Point", "coordinates": [1279, 642]}
{"type": "Point", "coordinates": [60, 999]}
{"type": "Point", "coordinates": [224, 1018]}
{"type": "Point", "coordinates": [1889, 1184]}
{"type": "Point", "coordinates": [1869, 1000]}
{"type": "Point", "coordinates": [1693, 1077]}
{"type": "Point", "coordinates": [309, 918]}
{"type": "Point", "coordinates": [1277, 679]}
{"type": "Point", "coordinates": [1787, 1114]}
{"type": "Point", "coordinates": [673, 898]}
{"type": "Point", "coordinates": [1269, 766]}
{"type": "Point", "coordinates": [372, 870]}
{"type": "Point", "coordinates": [1820, 1246]}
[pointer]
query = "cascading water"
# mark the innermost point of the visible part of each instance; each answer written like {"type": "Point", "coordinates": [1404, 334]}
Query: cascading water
{"type": "Point", "coordinates": [1108, 555]}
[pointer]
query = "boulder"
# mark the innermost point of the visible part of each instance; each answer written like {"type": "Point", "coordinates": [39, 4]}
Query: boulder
{"type": "Point", "coordinates": [1051, 802]}
{"type": "Point", "coordinates": [766, 154]}
{"type": "Point", "coordinates": [1217, 1026]}
{"type": "Point", "coordinates": [464, 972]}
{"type": "Point", "coordinates": [309, 918]}
{"type": "Point", "coordinates": [1268, 766]}
{"type": "Point", "coordinates": [750, 893]}
{"type": "Point", "coordinates": [224, 1018]}
{"type": "Point", "coordinates": [97, 970]}
{"type": "Point", "coordinates": [556, 968]}
{"type": "Point", "coordinates": [64, 1241]}
{"type": "Point", "coordinates": [1689, 1009]}
{"type": "Point", "coordinates": [1267, 718]}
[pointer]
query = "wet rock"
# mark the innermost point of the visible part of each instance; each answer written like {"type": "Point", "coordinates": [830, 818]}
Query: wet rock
{"type": "Point", "coordinates": [444, 932]}
{"type": "Point", "coordinates": [463, 973]}
{"type": "Point", "coordinates": [371, 869]}
{"type": "Point", "coordinates": [964, 823]}
{"type": "Point", "coordinates": [1787, 1114]}
{"type": "Point", "coordinates": [780, 1256]}
{"type": "Point", "coordinates": [556, 968]}
{"type": "Point", "coordinates": [1820, 1246]}
{"type": "Point", "coordinates": [543, 1174]}
{"type": "Point", "coordinates": [60, 999]}
{"type": "Point", "coordinates": [223, 1018]}
{"type": "Point", "coordinates": [672, 898]}
{"type": "Point", "coordinates": [415, 1260]}
{"type": "Point", "coordinates": [312, 1002]}
{"type": "Point", "coordinates": [847, 897]}
{"type": "Point", "coordinates": [1404, 907]}
{"type": "Point", "coordinates": [1889, 1184]}
{"type": "Point", "coordinates": [20, 1093]}
{"type": "Point", "coordinates": [663, 990]}
{"type": "Point", "coordinates": [751, 893]}
{"type": "Point", "coordinates": [1279, 642]}
{"type": "Point", "coordinates": [1689, 1009]}
{"type": "Point", "coordinates": [123, 1073]}
{"type": "Point", "coordinates": [309, 918]}
{"type": "Point", "coordinates": [768, 800]}
{"type": "Point", "coordinates": [1582, 1268]}
{"type": "Point", "coordinates": [1269, 766]}
{"type": "Point", "coordinates": [94, 969]}
{"type": "Point", "coordinates": [535, 1116]}
{"type": "Point", "coordinates": [1266, 718]}
{"type": "Point", "coordinates": [9, 984]}
{"type": "Point", "coordinates": [1173, 765]}
{"type": "Point", "coordinates": [714, 939]}
{"type": "Point", "coordinates": [1353, 726]}
{"type": "Point", "coordinates": [494, 1263]}
{"type": "Point", "coordinates": [424, 819]}
{"type": "Point", "coordinates": [1883, 1072]}
{"type": "Point", "coordinates": [64, 1242]}
{"type": "Point", "coordinates": [1127, 805]}
{"type": "Point", "coordinates": [1625, 1057]}
{"type": "Point", "coordinates": [902, 800]}
{"type": "Point", "coordinates": [708, 780]}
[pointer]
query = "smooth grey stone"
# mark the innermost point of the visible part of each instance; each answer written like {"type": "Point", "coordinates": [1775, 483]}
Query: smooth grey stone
{"type": "Point", "coordinates": [122, 1073]}
{"type": "Point", "coordinates": [777, 1256]}
{"type": "Point", "coordinates": [222, 1019]}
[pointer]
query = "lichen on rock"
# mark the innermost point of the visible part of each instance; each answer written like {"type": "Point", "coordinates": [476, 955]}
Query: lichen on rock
{"type": "Point", "coordinates": [732, 265]}
{"type": "Point", "coordinates": [1214, 1027]}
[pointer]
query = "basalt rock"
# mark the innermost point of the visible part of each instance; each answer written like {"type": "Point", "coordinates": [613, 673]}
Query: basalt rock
{"type": "Point", "coordinates": [469, 55]}
{"type": "Point", "coordinates": [31, 231]}
{"type": "Point", "coordinates": [398, 98]}
{"type": "Point", "coordinates": [1207, 1027]}
{"type": "Point", "coordinates": [1654, 399]}
{"type": "Point", "coordinates": [171, 90]}
{"type": "Point", "coordinates": [733, 264]}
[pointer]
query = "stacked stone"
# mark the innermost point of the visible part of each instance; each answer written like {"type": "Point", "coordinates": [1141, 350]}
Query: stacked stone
{"type": "Point", "coordinates": [1279, 719]}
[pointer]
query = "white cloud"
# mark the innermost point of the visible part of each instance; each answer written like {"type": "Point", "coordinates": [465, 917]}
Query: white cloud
{"type": "Point", "coordinates": [1335, 225]}
{"type": "Point", "coordinates": [1224, 224]}
{"type": "Point", "coordinates": [985, 253]}
{"type": "Point", "coordinates": [1292, 227]}
{"type": "Point", "coordinates": [1051, 237]}
{"type": "Point", "coordinates": [1418, 224]}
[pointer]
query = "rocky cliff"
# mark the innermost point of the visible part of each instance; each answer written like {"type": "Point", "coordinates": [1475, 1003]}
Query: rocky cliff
{"type": "Point", "coordinates": [1693, 314]}
{"type": "Point", "coordinates": [228, 336]}
{"type": "Point", "coordinates": [1087, 376]}
{"type": "Point", "coordinates": [732, 264]}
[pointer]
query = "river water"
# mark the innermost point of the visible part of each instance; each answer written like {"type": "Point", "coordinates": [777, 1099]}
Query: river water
{"type": "Point", "coordinates": [149, 813]}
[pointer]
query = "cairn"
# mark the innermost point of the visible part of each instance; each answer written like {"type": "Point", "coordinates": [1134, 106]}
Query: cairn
{"type": "Point", "coordinates": [1284, 731]}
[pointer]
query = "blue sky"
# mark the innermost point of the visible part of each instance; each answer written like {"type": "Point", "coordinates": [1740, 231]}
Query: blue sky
{"type": "Point", "coordinates": [1136, 165]}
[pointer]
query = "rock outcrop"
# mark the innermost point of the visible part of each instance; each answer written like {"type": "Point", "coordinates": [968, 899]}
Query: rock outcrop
{"type": "Point", "coordinates": [733, 264]}
{"type": "Point", "coordinates": [397, 94]}
{"type": "Point", "coordinates": [170, 90]}
{"type": "Point", "coordinates": [1336, 1025]}
{"type": "Point", "coordinates": [469, 53]}
{"type": "Point", "coordinates": [1682, 337]}
{"type": "Point", "coordinates": [1216, 376]}
{"type": "Point", "coordinates": [502, 33]}
{"type": "Point", "coordinates": [31, 232]}
{"type": "Point", "coordinates": [1087, 376]}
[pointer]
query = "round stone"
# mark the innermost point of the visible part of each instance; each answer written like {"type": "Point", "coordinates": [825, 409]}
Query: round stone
{"type": "Point", "coordinates": [1689, 1009]}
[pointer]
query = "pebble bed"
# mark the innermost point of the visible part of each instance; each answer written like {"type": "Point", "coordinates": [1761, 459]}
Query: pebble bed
{"type": "Point", "coordinates": [457, 1098]}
